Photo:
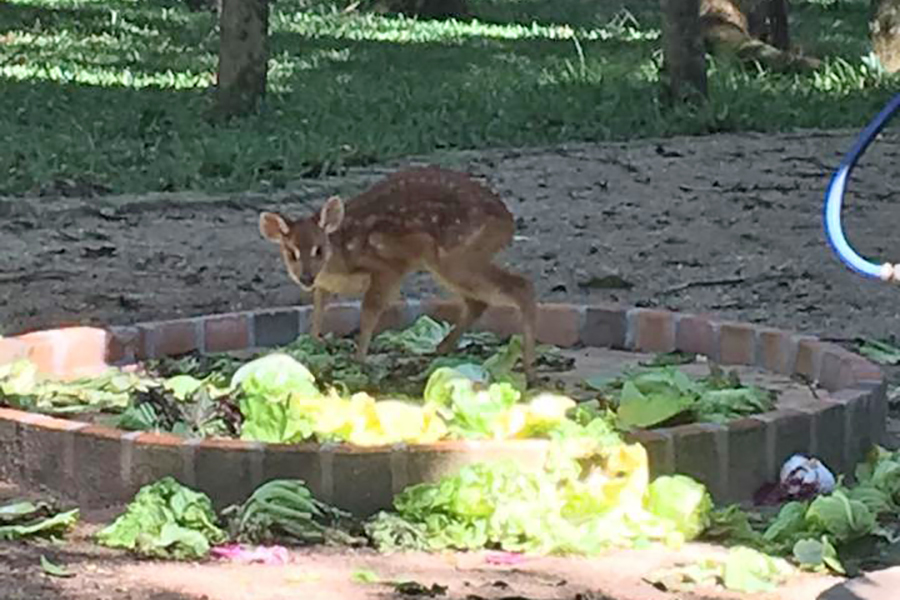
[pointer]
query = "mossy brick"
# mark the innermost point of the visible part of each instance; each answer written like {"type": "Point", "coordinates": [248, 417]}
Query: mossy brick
{"type": "Point", "coordinates": [98, 467]}
{"type": "Point", "coordinates": [362, 481]}
{"type": "Point", "coordinates": [879, 413]}
{"type": "Point", "coordinates": [430, 462]}
{"type": "Point", "coordinates": [296, 461]}
{"type": "Point", "coordinates": [48, 448]}
{"type": "Point", "coordinates": [11, 453]}
{"type": "Point", "coordinates": [153, 456]}
{"type": "Point", "coordinates": [660, 449]}
{"type": "Point", "coordinates": [605, 326]}
{"type": "Point", "coordinates": [275, 327]}
{"type": "Point", "coordinates": [831, 433]}
{"type": "Point", "coordinates": [792, 433]}
{"type": "Point", "coordinates": [748, 458]}
{"type": "Point", "coordinates": [701, 452]}
{"type": "Point", "coordinates": [228, 470]}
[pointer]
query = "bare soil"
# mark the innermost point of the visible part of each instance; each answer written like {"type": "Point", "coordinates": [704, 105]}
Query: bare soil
{"type": "Point", "coordinates": [728, 225]}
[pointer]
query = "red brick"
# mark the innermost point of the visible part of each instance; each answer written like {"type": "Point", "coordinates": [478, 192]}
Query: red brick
{"type": "Point", "coordinates": [171, 338]}
{"type": "Point", "coordinates": [654, 330]}
{"type": "Point", "coordinates": [864, 370]}
{"type": "Point", "coordinates": [441, 310]}
{"type": "Point", "coordinates": [226, 332]}
{"type": "Point", "coordinates": [605, 326]}
{"type": "Point", "coordinates": [775, 350]}
{"type": "Point", "coordinates": [831, 370]}
{"type": "Point", "coordinates": [124, 345]}
{"type": "Point", "coordinates": [153, 438]}
{"type": "Point", "coordinates": [341, 319]}
{"type": "Point", "coordinates": [501, 320]}
{"type": "Point", "coordinates": [696, 335]}
{"type": "Point", "coordinates": [559, 324]}
{"type": "Point", "coordinates": [737, 344]}
{"type": "Point", "coordinates": [809, 357]}
{"type": "Point", "coordinates": [68, 353]}
{"type": "Point", "coordinates": [12, 350]}
{"type": "Point", "coordinates": [398, 316]}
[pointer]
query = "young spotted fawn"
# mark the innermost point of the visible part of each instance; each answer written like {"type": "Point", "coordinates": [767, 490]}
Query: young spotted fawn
{"type": "Point", "coordinates": [420, 219]}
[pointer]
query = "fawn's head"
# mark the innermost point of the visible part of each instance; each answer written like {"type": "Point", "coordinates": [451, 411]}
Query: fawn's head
{"type": "Point", "coordinates": [304, 242]}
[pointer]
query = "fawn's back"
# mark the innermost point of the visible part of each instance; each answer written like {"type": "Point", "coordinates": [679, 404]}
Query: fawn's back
{"type": "Point", "coordinates": [417, 214]}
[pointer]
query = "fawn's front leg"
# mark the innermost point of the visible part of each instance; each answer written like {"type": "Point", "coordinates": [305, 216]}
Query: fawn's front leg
{"type": "Point", "coordinates": [320, 300]}
{"type": "Point", "coordinates": [383, 288]}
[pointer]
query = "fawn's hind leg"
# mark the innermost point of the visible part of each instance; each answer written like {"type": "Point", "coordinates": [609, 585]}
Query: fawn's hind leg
{"type": "Point", "coordinates": [472, 309]}
{"type": "Point", "coordinates": [482, 283]}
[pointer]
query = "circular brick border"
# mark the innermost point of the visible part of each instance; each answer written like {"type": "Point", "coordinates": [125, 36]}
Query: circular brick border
{"type": "Point", "coordinates": [97, 465]}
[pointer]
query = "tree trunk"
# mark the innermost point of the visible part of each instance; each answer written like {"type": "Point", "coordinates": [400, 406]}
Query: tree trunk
{"type": "Point", "coordinates": [884, 27]}
{"type": "Point", "coordinates": [243, 56]}
{"type": "Point", "coordinates": [741, 27]}
{"type": "Point", "coordinates": [425, 9]}
{"type": "Point", "coordinates": [684, 60]}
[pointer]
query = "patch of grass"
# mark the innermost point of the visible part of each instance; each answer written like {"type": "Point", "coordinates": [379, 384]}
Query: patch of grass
{"type": "Point", "coordinates": [113, 93]}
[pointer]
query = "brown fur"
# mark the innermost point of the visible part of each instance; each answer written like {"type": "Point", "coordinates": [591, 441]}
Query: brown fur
{"type": "Point", "coordinates": [422, 219]}
{"type": "Point", "coordinates": [753, 31]}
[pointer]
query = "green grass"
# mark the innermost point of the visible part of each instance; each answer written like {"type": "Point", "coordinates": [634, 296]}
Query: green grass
{"type": "Point", "coordinates": [114, 92]}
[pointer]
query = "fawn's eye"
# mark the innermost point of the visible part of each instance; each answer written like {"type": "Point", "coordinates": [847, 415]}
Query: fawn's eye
{"type": "Point", "coordinates": [315, 251]}
{"type": "Point", "coordinates": [295, 254]}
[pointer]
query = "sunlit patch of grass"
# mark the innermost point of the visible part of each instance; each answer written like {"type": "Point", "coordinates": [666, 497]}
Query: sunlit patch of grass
{"type": "Point", "coordinates": [116, 91]}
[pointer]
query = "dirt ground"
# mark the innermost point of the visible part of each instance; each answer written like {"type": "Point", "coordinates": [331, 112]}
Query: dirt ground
{"type": "Point", "coordinates": [727, 224]}
{"type": "Point", "coordinates": [329, 574]}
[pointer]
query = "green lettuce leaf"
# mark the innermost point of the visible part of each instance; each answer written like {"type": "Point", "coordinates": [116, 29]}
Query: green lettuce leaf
{"type": "Point", "coordinates": [639, 409]}
{"type": "Point", "coordinates": [165, 520]}
{"type": "Point", "coordinates": [683, 501]}
{"type": "Point", "coordinates": [20, 520]}
{"type": "Point", "coordinates": [838, 515]}
{"type": "Point", "coordinates": [274, 377]}
{"type": "Point", "coordinates": [750, 571]}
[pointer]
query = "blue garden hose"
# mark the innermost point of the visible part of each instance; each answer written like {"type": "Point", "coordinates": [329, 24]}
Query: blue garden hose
{"type": "Point", "coordinates": [835, 195]}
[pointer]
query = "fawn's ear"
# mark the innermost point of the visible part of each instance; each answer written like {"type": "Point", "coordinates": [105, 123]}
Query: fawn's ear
{"type": "Point", "coordinates": [332, 215]}
{"type": "Point", "coordinates": [272, 226]}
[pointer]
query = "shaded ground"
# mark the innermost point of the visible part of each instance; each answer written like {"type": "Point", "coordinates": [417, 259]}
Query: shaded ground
{"type": "Point", "coordinates": [728, 224]}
